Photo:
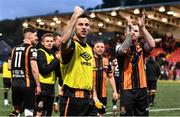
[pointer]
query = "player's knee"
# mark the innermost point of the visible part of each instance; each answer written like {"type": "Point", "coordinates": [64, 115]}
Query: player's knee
{"type": "Point", "coordinates": [6, 89]}
{"type": "Point", "coordinates": [153, 91]}
{"type": "Point", "coordinates": [149, 92]}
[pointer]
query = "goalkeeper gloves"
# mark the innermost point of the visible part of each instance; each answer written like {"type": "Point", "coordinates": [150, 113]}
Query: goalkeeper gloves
{"type": "Point", "coordinates": [100, 107]}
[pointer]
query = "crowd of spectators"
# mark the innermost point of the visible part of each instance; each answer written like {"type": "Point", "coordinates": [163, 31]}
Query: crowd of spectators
{"type": "Point", "coordinates": [168, 43]}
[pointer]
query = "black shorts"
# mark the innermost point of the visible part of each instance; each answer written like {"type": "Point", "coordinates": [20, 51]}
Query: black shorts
{"type": "Point", "coordinates": [152, 85]}
{"type": "Point", "coordinates": [7, 82]}
{"type": "Point", "coordinates": [44, 103]}
{"type": "Point", "coordinates": [134, 102]}
{"type": "Point", "coordinates": [103, 100]}
{"type": "Point", "coordinates": [117, 81]}
{"type": "Point", "coordinates": [23, 97]}
{"type": "Point", "coordinates": [71, 106]}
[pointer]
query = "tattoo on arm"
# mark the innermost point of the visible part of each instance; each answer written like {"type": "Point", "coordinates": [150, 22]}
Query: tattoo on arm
{"type": "Point", "coordinates": [125, 45]}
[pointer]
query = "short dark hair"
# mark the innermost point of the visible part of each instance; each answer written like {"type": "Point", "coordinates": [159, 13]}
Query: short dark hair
{"type": "Point", "coordinates": [98, 41]}
{"type": "Point", "coordinates": [46, 35]}
{"type": "Point", "coordinates": [84, 16]}
{"type": "Point", "coordinates": [134, 24]}
{"type": "Point", "coordinates": [57, 34]}
{"type": "Point", "coordinates": [32, 30]}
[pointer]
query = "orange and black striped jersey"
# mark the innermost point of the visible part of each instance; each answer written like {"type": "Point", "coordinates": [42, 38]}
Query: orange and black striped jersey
{"type": "Point", "coordinates": [115, 68]}
{"type": "Point", "coordinates": [101, 68]}
{"type": "Point", "coordinates": [131, 67]}
{"type": "Point", "coordinates": [20, 65]}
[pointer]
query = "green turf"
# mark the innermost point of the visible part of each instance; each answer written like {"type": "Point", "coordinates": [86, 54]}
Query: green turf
{"type": "Point", "coordinates": [168, 96]}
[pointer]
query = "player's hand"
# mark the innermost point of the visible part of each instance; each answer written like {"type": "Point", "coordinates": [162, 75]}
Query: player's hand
{"type": "Point", "coordinates": [141, 21]}
{"type": "Point", "coordinates": [115, 95]}
{"type": "Point", "coordinates": [38, 89]}
{"type": "Point", "coordinates": [100, 106]}
{"type": "Point", "coordinates": [78, 11]}
{"type": "Point", "coordinates": [126, 16]}
{"type": "Point", "coordinates": [129, 28]}
{"type": "Point", "coordinates": [57, 54]}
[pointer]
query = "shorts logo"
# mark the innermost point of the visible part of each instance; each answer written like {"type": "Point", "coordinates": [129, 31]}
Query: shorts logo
{"type": "Point", "coordinates": [122, 110]}
{"type": "Point", "coordinates": [147, 109]}
{"type": "Point", "coordinates": [86, 56]}
{"type": "Point", "coordinates": [40, 104]}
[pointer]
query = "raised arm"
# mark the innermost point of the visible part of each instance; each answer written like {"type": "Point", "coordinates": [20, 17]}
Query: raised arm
{"type": "Point", "coordinates": [122, 48]}
{"type": "Point", "coordinates": [70, 28]}
{"type": "Point", "coordinates": [149, 39]}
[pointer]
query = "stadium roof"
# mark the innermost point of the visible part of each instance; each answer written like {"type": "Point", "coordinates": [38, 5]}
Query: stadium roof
{"type": "Point", "coordinates": [160, 17]}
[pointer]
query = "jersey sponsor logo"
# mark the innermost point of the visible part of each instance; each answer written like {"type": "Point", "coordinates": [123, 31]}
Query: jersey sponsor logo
{"type": "Point", "coordinates": [18, 76]}
{"type": "Point", "coordinates": [18, 73]}
{"type": "Point", "coordinates": [86, 56]}
{"type": "Point", "coordinates": [86, 63]}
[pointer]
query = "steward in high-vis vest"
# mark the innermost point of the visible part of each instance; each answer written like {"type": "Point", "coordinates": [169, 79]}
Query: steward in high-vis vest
{"type": "Point", "coordinates": [133, 89]}
{"type": "Point", "coordinates": [47, 64]}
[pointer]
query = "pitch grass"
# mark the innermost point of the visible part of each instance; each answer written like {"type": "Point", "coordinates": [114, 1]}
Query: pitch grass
{"type": "Point", "coordinates": [168, 96]}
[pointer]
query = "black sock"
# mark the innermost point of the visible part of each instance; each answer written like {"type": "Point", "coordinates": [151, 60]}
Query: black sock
{"type": "Point", "coordinates": [56, 98]}
{"type": "Point", "coordinates": [114, 102]}
{"type": "Point", "coordinates": [5, 95]}
{"type": "Point", "coordinates": [152, 99]}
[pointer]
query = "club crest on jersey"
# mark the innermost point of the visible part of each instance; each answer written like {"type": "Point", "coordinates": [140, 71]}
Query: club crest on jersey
{"type": "Point", "coordinates": [86, 56]}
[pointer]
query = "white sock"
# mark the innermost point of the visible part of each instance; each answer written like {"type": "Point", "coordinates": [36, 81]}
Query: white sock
{"type": "Point", "coordinates": [6, 102]}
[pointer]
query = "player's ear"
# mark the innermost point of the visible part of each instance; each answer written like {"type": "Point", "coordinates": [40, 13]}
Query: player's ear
{"type": "Point", "coordinates": [42, 42]}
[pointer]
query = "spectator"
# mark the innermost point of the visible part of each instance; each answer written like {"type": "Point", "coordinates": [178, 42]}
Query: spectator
{"type": "Point", "coordinates": [152, 74]}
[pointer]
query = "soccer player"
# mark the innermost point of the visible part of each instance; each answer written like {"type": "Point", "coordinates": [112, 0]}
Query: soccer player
{"type": "Point", "coordinates": [47, 64]}
{"type": "Point", "coordinates": [77, 68]}
{"type": "Point", "coordinates": [134, 97]}
{"type": "Point", "coordinates": [115, 70]}
{"type": "Point", "coordinates": [102, 70]}
{"type": "Point", "coordinates": [6, 80]}
{"type": "Point", "coordinates": [152, 73]}
{"type": "Point", "coordinates": [23, 65]}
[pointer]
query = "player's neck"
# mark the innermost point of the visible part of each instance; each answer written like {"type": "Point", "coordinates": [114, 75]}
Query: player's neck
{"type": "Point", "coordinates": [80, 39]}
{"type": "Point", "coordinates": [134, 42]}
{"type": "Point", "coordinates": [27, 41]}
